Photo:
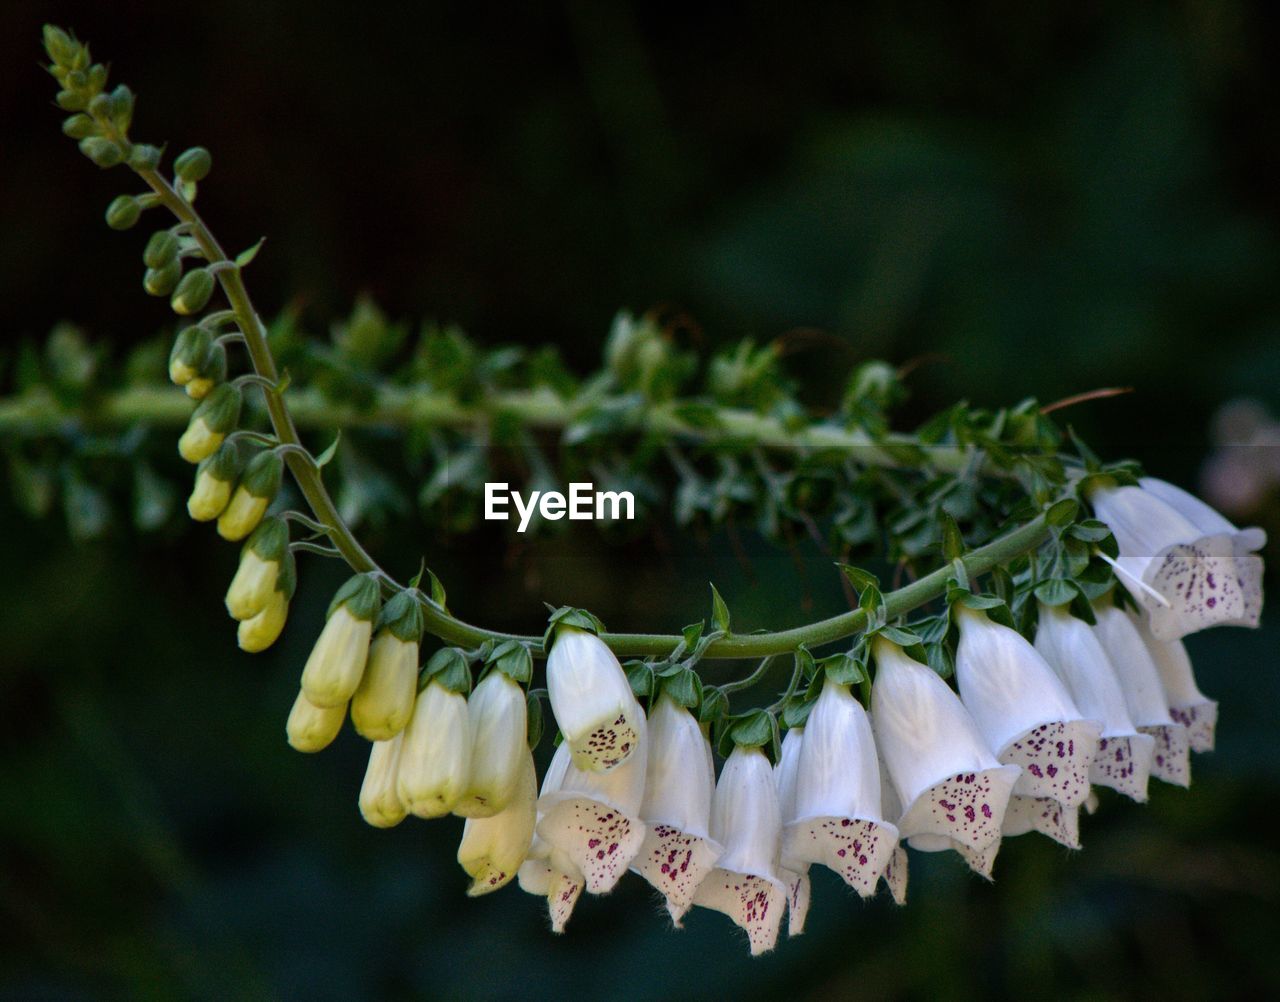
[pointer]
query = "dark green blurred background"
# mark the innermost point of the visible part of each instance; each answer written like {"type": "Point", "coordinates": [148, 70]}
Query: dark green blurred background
{"type": "Point", "coordinates": [1038, 201]}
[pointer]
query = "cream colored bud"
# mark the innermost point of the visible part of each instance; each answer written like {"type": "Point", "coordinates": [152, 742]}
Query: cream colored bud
{"type": "Point", "coordinates": [209, 497]}
{"type": "Point", "coordinates": [383, 702]}
{"type": "Point", "coordinates": [199, 441]}
{"type": "Point", "coordinates": [311, 728]}
{"type": "Point", "coordinates": [499, 719]}
{"type": "Point", "coordinates": [380, 805]}
{"type": "Point", "coordinates": [436, 758]}
{"type": "Point", "coordinates": [337, 661]}
{"type": "Point", "coordinates": [242, 515]}
{"type": "Point", "coordinates": [252, 587]}
{"type": "Point", "coordinates": [493, 848]}
{"type": "Point", "coordinates": [260, 632]}
{"type": "Point", "coordinates": [198, 387]}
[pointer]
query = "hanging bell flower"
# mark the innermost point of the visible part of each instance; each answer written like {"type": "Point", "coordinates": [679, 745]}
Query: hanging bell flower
{"type": "Point", "coordinates": [312, 728]}
{"type": "Point", "coordinates": [1144, 694]}
{"type": "Point", "coordinates": [216, 417]}
{"type": "Point", "coordinates": [259, 631]}
{"type": "Point", "coordinates": [680, 780]}
{"type": "Point", "coordinates": [494, 848]}
{"type": "Point", "coordinates": [215, 476]}
{"type": "Point", "coordinates": [547, 872]}
{"type": "Point", "coordinates": [499, 745]}
{"type": "Point", "coordinates": [380, 803]}
{"type": "Point", "coordinates": [1187, 704]}
{"type": "Point", "coordinates": [257, 489]}
{"type": "Point", "coordinates": [794, 872]}
{"type": "Point", "coordinates": [1186, 578]}
{"type": "Point", "coordinates": [593, 818]}
{"type": "Point", "coordinates": [591, 699]}
{"type": "Point", "coordinates": [1073, 651]}
{"type": "Point", "coordinates": [836, 818]}
{"type": "Point", "coordinates": [190, 354]}
{"type": "Point", "coordinates": [383, 701]}
{"type": "Point", "coordinates": [953, 788]}
{"type": "Point", "coordinates": [435, 761]}
{"type": "Point", "coordinates": [1203, 516]}
{"type": "Point", "coordinates": [746, 818]}
{"type": "Point", "coordinates": [1027, 716]}
{"type": "Point", "coordinates": [263, 560]}
{"type": "Point", "coordinates": [337, 661]}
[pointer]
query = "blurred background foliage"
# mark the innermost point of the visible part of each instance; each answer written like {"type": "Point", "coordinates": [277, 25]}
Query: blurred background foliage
{"type": "Point", "coordinates": [1016, 201]}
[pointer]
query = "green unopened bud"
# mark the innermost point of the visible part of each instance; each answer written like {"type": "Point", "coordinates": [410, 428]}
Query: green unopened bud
{"type": "Point", "coordinates": [161, 281]}
{"type": "Point", "coordinates": [144, 156]}
{"type": "Point", "coordinates": [258, 488]}
{"type": "Point", "coordinates": [215, 477]}
{"type": "Point", "coordinates": [263, 561]}
{"type": "Point", "coordinates": [72, 100]}
{"type": "Point", "coordinates": [123, 212]}
{"type": "Point", "coordinates": [213, 374]}
{"type": "Point", "coordinates": [190, 352]}
{"type": "Point", "coordinates": [121, 109]}
{"type": "Point", "coordinates": [100, 106]}
{"type": "Point", "coordinates": [313, 728]}
{"type": "Point", "coordinates": [217, 415]}
{"type": "Point", "coordinates": [60, 46]}
{"type": "Point", "coordinates": [336, 665]}
{"type": "Point", "coordinates": [79, 126]}
{"type": "Point", "coordinates": [193, 165]}
{"type": "Point", "coordinates": [102, 151]}
{"type": "Point", "coordinates": [96, 75]}
{"type": "Point", "coordinates": [160, 250]}
{"type": "Point", "coordinates": [193, 292]}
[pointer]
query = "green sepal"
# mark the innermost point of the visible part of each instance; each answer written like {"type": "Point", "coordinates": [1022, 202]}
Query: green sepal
{"type": "Point", "coordinates": [567, 615]}
{"type": "Point", "coordinates": [263, 474]}
{"type": "Point", "coordinates": [270, 540]}
{"type": "Point", "coordinates": [940, 659]}
{"type": "Point", "coordinates": [287, 577]}
{"type": "Point", "coordinates": [192, 347]}
{"type": "Point", "coordinates": [533, 719]}
{"type": "Point", "coordinates": [640, 678]}
{"type": "Point", "coordinates": [753, 729]}
{"type": "Point", "coordinates": [1056, 591]}
{"type": "Point", "coordinates": [513, 659]}
{"type": "Point", "coordinates": [860, 579]}
{"type": "Point", "coordinates": [220, 410]}
{"type": "Point", "coordinates": [401, 616]}
{"type": "Point", "coordinates": [224, 465]}
{"type": "Point", "coordinates": [796, 711]}
{"type": "Point", "coordinates": [684, 687]}
{"type": "Point", "coordinates": [361, 595]}
{"type": "Point", "coordinates": [715, 704]}
{"type": "Point", "coordinates": [193, 292]}
{"type": "Point", "coordinates": [842, 668]}
{"type": "Point", "coordinates": [448, 666]}
{"type": "Point", "coordinates": [193, 165]}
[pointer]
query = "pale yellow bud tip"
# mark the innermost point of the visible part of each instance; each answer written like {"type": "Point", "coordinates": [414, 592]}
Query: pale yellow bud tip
{"type": "Point", "coordinates": [252, 587]}
{"type": "Point", "coordinates": [208, 498]}
{"type": "Point", "coordinates": [198, 389]}
{"type": "Point", "coordinates": [260, 632]}
{"type": "Point", "coordinates": [311, 728]}
{"type": "Point", "coordinates": [241, 516]}
{"type": "Point", "coordinates": [198, 442]}
{"type": "Point", "coordinates": [181, 373]}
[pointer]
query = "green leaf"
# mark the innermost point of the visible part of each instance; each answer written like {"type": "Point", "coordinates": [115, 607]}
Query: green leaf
{"type": "Point", "coordinates": [940, 659]}
{"type": "Point", "coordinates": [640, 675]}
{"type": "Point", "coordinates": [1062, 512]}
{"type": "Point", "coordinates": [245, 257]}
{"type": "Point", "coordinates": [715, 704]}
{"type": "Point", "coordinates": [449, 667]}
{"type": "Point", "coordinates": [1057, 591]}
{"type": "Point", "coordinates": [898, 635]}
{"type": "Point", "coordinates": [842, 669]}
{"type": "Point", "coordinates": [952, 538]}
{"type": "Point", "coordinates": [860, 579]}
{"type": "Point", "coordinates": [326, 457]}
{"type": "Point", "coordinates": [692, 634]}
{"type": "Point", "coordinates": [719, 612]}
{"type": "Point", "coordinates": [533, 719]}
{"type": "Point", "coordinates": [754, 729]}
{"type": "Point", "coordinates": [685, 688]}
{"type": "Point", "coordinates": [1090, 530]}
{"type": "Point", "coordinates": [512, 658]}
{"type": "Point", "coordinates": [797, 711]}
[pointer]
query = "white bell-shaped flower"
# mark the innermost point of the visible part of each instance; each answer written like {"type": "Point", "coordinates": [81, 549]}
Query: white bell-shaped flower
{"type": "Point", "coordinates": [493, 848]}
{"type": "Point", "coordinates": [895, 873]}
{"type": "Point", "coordinates": [1073, 651]}
{"type": "Point", "coordinates": [680, 780]}
{"type": "Point", "coordinates": [546, 872]}
{"type": "Point", "coordinates": [794, 872]}
{"type": "Point", "coordinates": [380, 803]}
{"type": "Point", "coordinates": [836, 818]}
{"type": "Point", "coordinates": [1187, 579]}
{"type": "Point", "coordinates": [1203, 516]}
{"type": "Point", "coordinates": [591, 700]}
{"type": "Point", "coordinates": [436, 758]}
{"type": "Point", "coordinates": [1187, 704]}
{"type": "Point", "coordinates": [499, 745]}
{"type": "Point", "coordinates": [1027, 715]}
{"type": "Point", "coordinates": [593, 818]}
{"type": "Point", "coordinates": [951, 784]}
{"type": "Point", "coordinates": [1144, 694]}
{"type": "Point", "coordinates": [746, 818]}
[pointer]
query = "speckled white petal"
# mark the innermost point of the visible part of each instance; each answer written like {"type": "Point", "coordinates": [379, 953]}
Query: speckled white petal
{"type": "Point", "coordinates": [592, 701]}
{"type": "Point", "coordinates": [1203, 516]}
{"type": "Point", "coordinates": [797, 884]}
{"type": "Point", "coordinates": [1046, 816]}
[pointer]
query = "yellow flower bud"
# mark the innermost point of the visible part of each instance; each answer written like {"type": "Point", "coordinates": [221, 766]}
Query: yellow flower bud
{"type": "Point", "coordinates": [498, 717]}
{"type": "Point", "coordinates": [199, 441]}
{"type": "Point", "coordinates": [383, 702]}
{"type": "Point", "coordinates": [242, 515]}
{"type": "Point", "coordinates": [436, 758]}
{"type": "Point", "coordinates": [492, 849]}
{"type": "Point", "coordinates": [336, 665]}
{"type": "Point", "coordinates": [260, 632]}
{"type": "Point", "coordinates": [252, 586]}
{"type": "Point", "coordinates": [209, 497]}
{"type": "Point", "coordinates": [380, 805]}
{"type": "Point", "coordinates": [198, 387]}
{"type": "Point", "coordinates": [311, 728]}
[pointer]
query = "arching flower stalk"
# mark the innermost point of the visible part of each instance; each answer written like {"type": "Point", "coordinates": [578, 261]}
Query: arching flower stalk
{"type": "Point", "coordinates": [1028, 718]}
{"type": "Point", "coordinates": [746, 818]}
{"type": "Point", "coordinates": [1144, 693]}
{"type": "Point", "coordinates": [835, 819]}
{"type": "Point", "coordinates": [1070, 646]}
{"type": "Point", "coordinates": [677, 851]}
{"type": "Point", "coordinates": [954, 789]}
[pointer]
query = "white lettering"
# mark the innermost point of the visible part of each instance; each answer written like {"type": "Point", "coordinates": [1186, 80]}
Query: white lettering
{"type": "Point", "coordinates": [579, 501]}
{"type": "Point", "coordinates": [552, 505]}
{"type": "Point", "coordinates": [526, 511]}
{"type": "Point", "coordinates": [617, 498]}
{"type": "Point", "coordinates": [492, 499]}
